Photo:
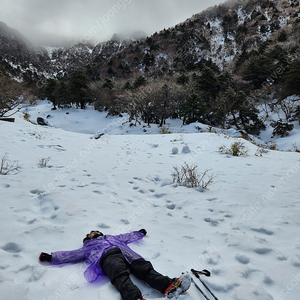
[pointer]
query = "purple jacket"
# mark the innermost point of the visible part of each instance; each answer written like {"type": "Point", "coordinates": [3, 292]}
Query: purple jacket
{"type": "Point", "coordinates": [93, 250]}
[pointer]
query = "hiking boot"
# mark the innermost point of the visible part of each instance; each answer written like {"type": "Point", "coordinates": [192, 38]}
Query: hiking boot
{"type": "Point", "coordinates": [179, 286]}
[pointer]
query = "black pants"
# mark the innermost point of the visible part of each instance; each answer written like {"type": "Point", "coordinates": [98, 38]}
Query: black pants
{"type": "Point", "coordinates": [118, 270]}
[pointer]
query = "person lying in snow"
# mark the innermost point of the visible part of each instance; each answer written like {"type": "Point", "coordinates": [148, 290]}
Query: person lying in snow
{"type": "Point", "coordinates": [109, 255]}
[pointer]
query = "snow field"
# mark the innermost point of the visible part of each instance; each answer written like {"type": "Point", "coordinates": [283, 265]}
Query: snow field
{"type": "Point", "coordinates": [243, 229]}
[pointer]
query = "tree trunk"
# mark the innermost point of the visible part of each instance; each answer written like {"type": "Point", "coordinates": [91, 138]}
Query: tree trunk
{"type": "Point", "coordinates": [7, 119]}
{"type": "Point", "coordinates": [161, 121]}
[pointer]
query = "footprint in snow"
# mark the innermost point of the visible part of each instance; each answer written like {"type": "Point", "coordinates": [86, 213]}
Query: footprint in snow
{"type": "Point", "coordinates": [262, 251]}
{"type": "Point", "coordinates": [82, 185]}
{"type": "Point", "coordinates": [37, 192]}
{"type": "Point", "coordinates": [46, 205]}
{"type": "Point", "coordinates": [213, 222]}
{"type": "Point", "coordinates": [228, 215]}
{"type": "Point", "coordinates": [97, 192]}
{"type": "Point", "coordinates": [126, 222]}
{"type": "Point", "coordinates": [161, 195]}
{"type": "Point", "coordinates": [103, 226]}
{"type": "Point", "coordinates": [98, 183]}
{"type": "Point", "coordinates": [12, 247]}
{"type": "Point", "coordinates": [5, 186]}
{"type": "Point", "coordinates": [32, 273]}
{"type": "Point", "coordinates": [142, 191]}
{"type": "Point", "coordinates": [242, 259]}
{"type": "Point", "coordinates": [171, 206]}
{"type": "Point", "coordinates": [268, 280]}
{"type": "Point", "coordinates": [296, 261]}
{"type": "Point", "coordinates": [211, 199]}
{"type": "Point", "coordinates": [263, 231]}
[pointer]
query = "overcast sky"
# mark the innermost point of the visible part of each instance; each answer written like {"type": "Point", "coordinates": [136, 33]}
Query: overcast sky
{"type": "Point", "coordinates": [96, 20]}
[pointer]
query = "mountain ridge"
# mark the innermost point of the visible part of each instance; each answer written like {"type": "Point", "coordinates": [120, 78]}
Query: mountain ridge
{"type": "Point", "coordinates": [249, 40]}
{"type": "Point", "coordinates": [209, 34]}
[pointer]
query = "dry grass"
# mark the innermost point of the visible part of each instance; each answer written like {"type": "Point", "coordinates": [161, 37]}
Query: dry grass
{"type": "Point", "coordinates": [188, 176]}
{"type": "Point", "coordinates": [7, 166]}
{"type": "Point", "coordinates": [43, 162]}
{"type": "Point", "coordinates": [164, 130]}
{"type": "Point", "coordinates": [236, 149]}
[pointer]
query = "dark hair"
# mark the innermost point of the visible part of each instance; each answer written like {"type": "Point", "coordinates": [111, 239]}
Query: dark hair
{"type": "Point", "coordinates": [87, 238]}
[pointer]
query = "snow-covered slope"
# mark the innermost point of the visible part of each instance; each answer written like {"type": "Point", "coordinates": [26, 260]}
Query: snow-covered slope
{"type": "Point", "coordinates": [244, 229]}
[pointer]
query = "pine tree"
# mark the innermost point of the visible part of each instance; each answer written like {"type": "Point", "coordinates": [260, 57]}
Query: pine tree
{"type": "Point", "coordinates": [50, 92]}
{"type": "Point", "coordinates": [61, 94]}
{"type": "Point", "coordinates": [141, 80]}
{"type": "Point", "coordinates": [192, 109]}
{"type": "Point", "coordinates": [149, 60]}
{"type": "Point", "coordinates": [292, 82]}
{"type": "Point", "coordinates": [243, 112]}
{"type": "Point", "coordinates": [183, 79]}
{"type": "Point", "coordinates": [208, 83]}
{"type": "Point", "coordinates": [258, 70]}
{"type": "Point", "coordinates": [79, 88]}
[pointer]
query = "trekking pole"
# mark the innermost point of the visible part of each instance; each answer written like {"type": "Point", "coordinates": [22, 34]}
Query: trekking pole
{"type": "Point", "coordinates": [199, 289]}
{"type": "Point", "coordinates": [206, 273]}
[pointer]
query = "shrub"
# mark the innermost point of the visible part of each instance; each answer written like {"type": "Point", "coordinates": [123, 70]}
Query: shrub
{"type": "Point", "coordinates": [26, 117]}
{"type": "Point", "coordinates": [281, 128]}
{"type": "Point", "coordinates": [164, 130]}
{"type": "Point", "coordinates": [188, 176]}
{"type": "Point", "coordinates": [273, 146]}
{"type": "Point", "coordinates": [295, 148]}
{"type": "Point", "coordinates": [43, 162]}
{"type": "Point", "coordinates": [260, 151]}
{"type": "Point", "coordinates": [7, 166]}
{"type": "Point", "coordinates": [236, 149]}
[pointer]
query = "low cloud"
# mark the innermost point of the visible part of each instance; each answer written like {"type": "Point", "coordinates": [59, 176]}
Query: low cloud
{"type": "Point", "coordinates": [97, 20]}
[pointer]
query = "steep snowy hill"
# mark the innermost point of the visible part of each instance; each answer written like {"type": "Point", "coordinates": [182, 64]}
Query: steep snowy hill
{"type": "Point", "coordinates": [243, 228]}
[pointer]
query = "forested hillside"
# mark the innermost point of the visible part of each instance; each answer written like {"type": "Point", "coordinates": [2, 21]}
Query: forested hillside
{"type": "Point", "coordinates": [221, 67]}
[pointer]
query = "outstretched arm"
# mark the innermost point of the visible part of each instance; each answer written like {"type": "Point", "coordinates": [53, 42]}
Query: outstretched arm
{"type": "Point", "coordinates": [132, 236]}
{"type": "Point", "coordinates": [61, 257]}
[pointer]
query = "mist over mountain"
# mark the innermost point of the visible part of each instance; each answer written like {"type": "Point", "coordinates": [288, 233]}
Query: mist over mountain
{"type": "Point", "coordinates": [57, 22]}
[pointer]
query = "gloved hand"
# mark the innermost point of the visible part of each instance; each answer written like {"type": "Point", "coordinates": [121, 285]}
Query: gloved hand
{"type": "Point", "coordinates": [143, 231]}
{"type": "Point", "coordinates": [45, 257]}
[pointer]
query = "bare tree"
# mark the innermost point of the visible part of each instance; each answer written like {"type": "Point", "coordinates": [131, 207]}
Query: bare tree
{"type": "Point", "coordinates": [10, 92]}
